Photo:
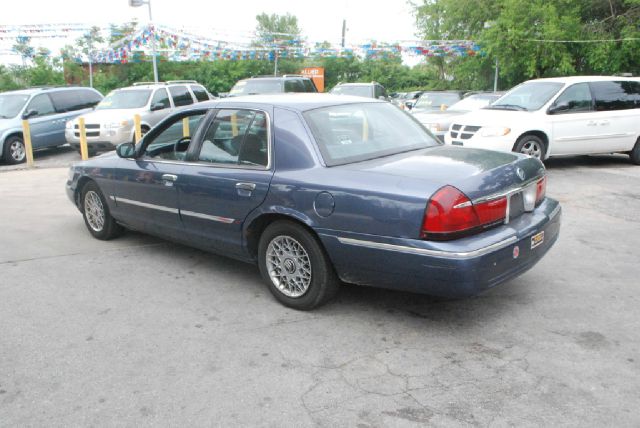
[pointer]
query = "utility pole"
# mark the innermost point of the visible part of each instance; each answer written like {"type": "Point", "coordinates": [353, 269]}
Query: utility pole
{"type": "Point", "coordinates": [495, 78]}
{"type": "Point", "coordinates": [344, 30]}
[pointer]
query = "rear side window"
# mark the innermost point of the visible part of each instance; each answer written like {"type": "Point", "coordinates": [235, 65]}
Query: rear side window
{"type": "Point", "coordinates": [294, 85]}
{"type": "Point", "coordinates": [74, 99]}
{"type": "Point", "coordinates": [200, 93]}
{"type": "Point", "coordinates": [309, 86]}
{"type": "Point", "coordinates": [621, 95]}
{"type": "Point", "coordinates": [180, 95]}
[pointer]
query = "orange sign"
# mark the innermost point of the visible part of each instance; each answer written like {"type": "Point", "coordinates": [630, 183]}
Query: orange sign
{"type": "Point", "coordinates": [317, 75]}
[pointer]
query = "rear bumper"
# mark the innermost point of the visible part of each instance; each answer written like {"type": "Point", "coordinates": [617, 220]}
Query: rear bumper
{"type": "Point", "coordinates": [459, 268]}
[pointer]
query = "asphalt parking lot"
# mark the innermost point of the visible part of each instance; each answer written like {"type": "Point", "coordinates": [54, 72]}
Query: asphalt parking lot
{"type": "Point", "coordinates": [139, 331]}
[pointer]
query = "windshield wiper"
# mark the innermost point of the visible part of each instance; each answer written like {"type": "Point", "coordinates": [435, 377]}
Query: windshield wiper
{"type": "Point", "coordinates": [507, 107]}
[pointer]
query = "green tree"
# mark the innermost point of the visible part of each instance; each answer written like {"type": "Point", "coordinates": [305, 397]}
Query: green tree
{"type": "Point", "coordinates": [23, 48]}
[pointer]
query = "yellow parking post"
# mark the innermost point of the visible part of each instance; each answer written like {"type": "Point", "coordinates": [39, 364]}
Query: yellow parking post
{"type": "Point", "coordinates": [137, 127]}
{"type": "Point", "coordinates": [365, 129]}
{"type": "Point", "coordinates": [26, 132]}
{"type": "Point", "coordinates": [234, 124]}
{"type": "Point", "coordinates": [84, 150]}
{"type": "Point", "coordinates": [185, 127]}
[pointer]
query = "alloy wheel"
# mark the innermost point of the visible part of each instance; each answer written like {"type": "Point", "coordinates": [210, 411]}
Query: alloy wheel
{"type": "Point", "coordinates": [289, 266]}
{"type": "Point", "coordinates": [17, 150]}
{"type": "Point", "coordinates": [94, 210]}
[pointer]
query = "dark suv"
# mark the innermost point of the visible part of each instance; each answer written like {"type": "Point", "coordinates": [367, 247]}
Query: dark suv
{"type": "Point", "coordinates": [272, 85]}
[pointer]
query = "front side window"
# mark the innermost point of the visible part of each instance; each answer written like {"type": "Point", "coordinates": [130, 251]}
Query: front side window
{"type": "Point", "coordinates": [356, 132]}
{"type": "Point", "coordinates": [575, 99]}
{"type": "Point", "coordinates": [236, 137]}
{"type": "Point", "coordinates": [125, 99]}
{"type": "Point", "coordinates": [161, 98]}
{"type": "Point", "coordinates": [11, 104]}
{"type": "Point", "coordinates": [622, 95]}
{"type": "Point", "coordinates": [528, 96]}
{"type": "Point", "coordinates": [173, 141]}
{"type": "Point", "coordinates": [42, 105]}
{"type": "Point", "coordinates": [180, 95]}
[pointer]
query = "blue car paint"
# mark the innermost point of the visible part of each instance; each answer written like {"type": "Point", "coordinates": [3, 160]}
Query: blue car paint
{"type": "Point", "coordinates": [380, 203]}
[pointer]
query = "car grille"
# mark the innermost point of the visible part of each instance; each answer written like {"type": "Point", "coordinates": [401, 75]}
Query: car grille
{"type": "Point", "coordinates": [91, 129]}
{"type": "Point", "coordinates": [462, 132]}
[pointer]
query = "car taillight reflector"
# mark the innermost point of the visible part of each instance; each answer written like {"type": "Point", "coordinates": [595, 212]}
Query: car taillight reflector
{"type": "Point", "coordinates": [541, 189]}
{"type": "Point", "coordinates": [450, 214]}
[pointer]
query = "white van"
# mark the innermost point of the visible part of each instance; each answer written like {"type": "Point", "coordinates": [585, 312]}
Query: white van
{"type": "Point", "coordinates": [556, 117]}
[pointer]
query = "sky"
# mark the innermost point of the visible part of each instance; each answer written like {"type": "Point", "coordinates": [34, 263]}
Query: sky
{"type": "Point", "coordinates": [388, 21]}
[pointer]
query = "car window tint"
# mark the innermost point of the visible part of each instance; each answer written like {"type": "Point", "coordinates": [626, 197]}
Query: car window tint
{"type": "Point", "coordinates": [255, 147]}
{"type": "Point", "coordinates": [161, 97]}
{"type": "Point", "coordinates": [223, 140]}
{"type": "Point", "coordinates": [42, 104]}
{"type": "Point", "coordinates": [173, 141]}
{"type": "Point", "coordinates": [294, 85]}
{"type": "Point", "coordinates": [577, 97]}
{"type": "Point", "coordinates": [308, 85]}
{"type": "Point", "coordinates": [200, 92]}
{"type": "Point", "coordinates": [180, 95]}
{"type": "Point", "coordinates": [620, 95]}
{"type": "Point", "coordinates": [74, 99]}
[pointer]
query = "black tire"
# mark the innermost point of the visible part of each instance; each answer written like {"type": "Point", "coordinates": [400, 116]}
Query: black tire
{"type": "Point", "coordinates": [94, 207]}
{"type": "Point", "coordinates": [287, 238]}
{"type": "Point", "coordinates": [14, 151]}
{"type": "Point", "coordinates": [635, 153]}
{"type": "Point", "coordinates": [531, 145]}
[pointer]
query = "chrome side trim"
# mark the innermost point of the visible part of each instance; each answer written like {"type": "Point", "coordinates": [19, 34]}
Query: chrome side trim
{"type": "Point", "coordinates": [596, 137]}
{"type": "Point", "coordinates": [426, 252]}
{"type": "Point", "coordinates": [508, 192]}
{"type": "Point", "coordinates": [145, 205]}
{"type": "Point", "coordinates": [554, 213]}
{"type": "Point", "coordinates": [208, 217]}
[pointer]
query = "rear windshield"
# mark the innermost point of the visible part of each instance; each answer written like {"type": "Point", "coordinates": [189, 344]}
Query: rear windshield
{"type": "Point", "coordinates": [11, 104]}
{"type": "Point", "coordinates": [436, 101]}
{"type": "Point", "coordinates": [356, 132]}
{"type": "Point", "coordinates": [256, 86]}
{"type": "Point", "coordinates": [134, 98]}
{"type": "Point", "coordinates": [355, 90]}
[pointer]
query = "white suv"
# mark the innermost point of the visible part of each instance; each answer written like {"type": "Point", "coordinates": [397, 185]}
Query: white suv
{"type": "Point", "coordinates": [558, 116]}
{"type": "Point", "coordinates": [111, 123]}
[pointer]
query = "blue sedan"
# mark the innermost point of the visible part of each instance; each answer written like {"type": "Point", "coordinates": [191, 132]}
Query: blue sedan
{"type": "Point", "coordinates": [320, 189]}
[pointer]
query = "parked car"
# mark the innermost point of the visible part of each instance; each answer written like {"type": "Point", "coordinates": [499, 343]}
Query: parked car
{"type": "Point", "coordinates": [438, 121]}
{"type": "Point", "coordinates": [318, 188]}
{"type": "Point", "coordinates": [272, 85]}
{"type": "Point", "coordinates": [369, 90]}
{"type": "Point", "coordinates": [430, 101]}
{"type": "Point", "coordinates": [112, 121]}
{"type": "Point", "coordinates": [558, 117]}
{"type": "Point", "coordinates": [47, 108]}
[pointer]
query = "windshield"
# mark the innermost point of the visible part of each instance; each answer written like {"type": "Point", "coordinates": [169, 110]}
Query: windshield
{"type": "Point", "coordinates": [473, 102]}
{"type": "Point", "coordinates": [436, 101]}
{"type": "Point", "coordinates": [11, 104]}
{"type": "Point", "coordinates": [355, 90]}
{"type": "Point", "coordinates": [356, 132]}
{"type": "Point", "coordinates": [528, 96]}
{"type": "Point", "coordinates": [124, 99]}
{"type": "Point", "coordinates": [257, 86]}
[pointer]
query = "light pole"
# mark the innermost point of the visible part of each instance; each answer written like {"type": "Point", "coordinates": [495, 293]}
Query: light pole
{"type": "Point", "coordinates": [138, 3]}
{"type": "Point", "coordinates": [488, 25]}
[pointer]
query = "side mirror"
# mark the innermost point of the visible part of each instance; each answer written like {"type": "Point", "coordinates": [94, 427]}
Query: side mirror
{"type": "Point", "coordinates": [558, 108]}
{"type": "Point", "coordinates": [126, 150]}
{"type": "Point", "coordinates": [157, 106]}
{"type": "Point", "coordinates": [29, 113]}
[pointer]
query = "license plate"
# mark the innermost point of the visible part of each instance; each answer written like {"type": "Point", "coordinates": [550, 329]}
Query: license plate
{"type": "Point", "coordinates": [537, 239]}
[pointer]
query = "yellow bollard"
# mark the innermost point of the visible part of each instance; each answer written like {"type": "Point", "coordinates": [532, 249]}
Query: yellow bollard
{"type": "Point", "coordinates": [26, 132]}
{"type": "Point", "coordinates": [185, 127]}
{"type": "Point", "coordinates": [84, 150]}
{"type": "Point", "coordinates": [137, 127]}
{"type": "Point", "coordinates": [234, 124]}
{"type": "Point", "coordinates": [365, 129]}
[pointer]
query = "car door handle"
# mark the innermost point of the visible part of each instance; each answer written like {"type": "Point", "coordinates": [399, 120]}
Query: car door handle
{"type": "Point", "coordinates": [246, 186]}
{"type": "Point", "coordinates": [169, 177]}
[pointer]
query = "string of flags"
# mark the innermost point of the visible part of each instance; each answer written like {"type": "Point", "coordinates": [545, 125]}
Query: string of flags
{"type": "Point", "coordinates": [177, 45]}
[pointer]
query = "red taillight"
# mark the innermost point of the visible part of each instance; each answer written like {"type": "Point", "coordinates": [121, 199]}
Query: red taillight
{"type": "Point", "coordinates": [541, 189]}
{"type": "Point", "coordinates": [450, 214]}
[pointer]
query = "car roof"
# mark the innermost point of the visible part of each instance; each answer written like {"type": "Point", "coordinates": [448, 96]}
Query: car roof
{"type": "Point", "coordinates": [301, 101]}
{"type": "Point", "coordinates": [578, 79]}
{"type": "Point", "coordinates": [357, 84]}
{"type": "Point", "coordinates": [29, 91]}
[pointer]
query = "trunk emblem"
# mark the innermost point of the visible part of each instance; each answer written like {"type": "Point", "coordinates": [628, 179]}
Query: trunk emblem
{"type": "Point", "coordinates": [520, 173]}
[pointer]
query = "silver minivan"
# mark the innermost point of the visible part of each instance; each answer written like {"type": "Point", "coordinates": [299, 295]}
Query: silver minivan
{"type": "Point", "coordinates": [47, 109]}
{"type": "Point", "coordinates": [111, 123]}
